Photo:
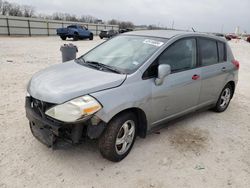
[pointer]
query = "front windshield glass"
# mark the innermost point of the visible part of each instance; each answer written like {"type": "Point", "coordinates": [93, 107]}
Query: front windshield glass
{"type": "Point", "coordinates": [125, 53]}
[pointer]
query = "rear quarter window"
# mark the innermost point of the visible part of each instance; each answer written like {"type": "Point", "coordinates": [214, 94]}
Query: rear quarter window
{"type": "Point", "coordinates": [208, 52]}
{"type": "Point", "coordinates": [222, 51]}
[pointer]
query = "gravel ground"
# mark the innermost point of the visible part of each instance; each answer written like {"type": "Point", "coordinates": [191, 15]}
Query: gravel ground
{"type": "Point", "coordinates": [205, 149]}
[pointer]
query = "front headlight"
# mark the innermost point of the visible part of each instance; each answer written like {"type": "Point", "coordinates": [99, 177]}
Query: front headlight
{"type": "Point", "coordinates": [75, 109]}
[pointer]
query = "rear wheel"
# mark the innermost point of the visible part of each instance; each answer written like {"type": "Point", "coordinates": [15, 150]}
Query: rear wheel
{"type": "Point", "coordinates": [63, 37]}
{"type": "Point", "coordinates": [91, 37]}
{"type": "Point", "coordinates": [224, 99]}
{"type": "Point", "coordinates": [118, 139]}
{"type": "Point", "coordinates": [76, 37]}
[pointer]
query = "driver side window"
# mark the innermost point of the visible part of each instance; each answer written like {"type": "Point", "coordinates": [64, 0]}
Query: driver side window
{"type": "Point", "coordinates": [180, 56]}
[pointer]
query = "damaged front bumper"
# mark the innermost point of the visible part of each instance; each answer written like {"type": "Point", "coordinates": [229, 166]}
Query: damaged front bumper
{"type": "Point", "coordinates": [49, 131]}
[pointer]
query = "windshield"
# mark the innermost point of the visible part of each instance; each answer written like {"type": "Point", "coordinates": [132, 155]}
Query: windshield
{"type": "Point", "coordinates": [125, 53]}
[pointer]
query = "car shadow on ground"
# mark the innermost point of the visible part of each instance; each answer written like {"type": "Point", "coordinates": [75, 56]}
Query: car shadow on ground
{"type": "Point", "coordinates": [177, 133]}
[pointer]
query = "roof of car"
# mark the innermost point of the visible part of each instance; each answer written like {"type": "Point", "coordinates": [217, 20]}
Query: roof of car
{"type": "Point", "coordinates": [157, 33]}
{"type": "Point", "coordinates": [168, 33]}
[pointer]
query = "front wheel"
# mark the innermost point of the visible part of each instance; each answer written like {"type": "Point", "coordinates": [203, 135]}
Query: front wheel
{"type": "Point", "coordinates": [63, 37]}
{"type": "Point", "coordinates": [224, 99]}
{"type": "Point", "coordinates": [76, 37]}
{"type": "Point", "coordinates": [118, 139]}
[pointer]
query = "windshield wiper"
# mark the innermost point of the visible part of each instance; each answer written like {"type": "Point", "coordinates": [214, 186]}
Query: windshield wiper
{"type": "Point", "coordinates": [88, 63]}
{"type": "Point", "coordinates": [98, 65]}
{"type": "Point", "coordinates": [101, 66]}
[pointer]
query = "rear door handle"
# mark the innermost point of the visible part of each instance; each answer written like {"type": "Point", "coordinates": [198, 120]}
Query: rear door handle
{"type": "Point", "coordinates": [224, 69]}
{"type": "Point", "coordinates": [195, 77]}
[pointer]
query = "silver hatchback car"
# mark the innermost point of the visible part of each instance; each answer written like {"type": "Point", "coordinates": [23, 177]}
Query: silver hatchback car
{"type": "Point", "coordinates": [128, 85]}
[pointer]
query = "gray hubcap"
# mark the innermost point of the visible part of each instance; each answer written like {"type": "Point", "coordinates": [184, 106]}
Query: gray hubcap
{"type": "Point", "coordinates": [225, 98]}
{"type": "Point", "coordinates": [125, 137]}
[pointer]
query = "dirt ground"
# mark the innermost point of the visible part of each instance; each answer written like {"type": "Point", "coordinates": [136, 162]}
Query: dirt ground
{"type": "Point", "coordinates": [205, 149]}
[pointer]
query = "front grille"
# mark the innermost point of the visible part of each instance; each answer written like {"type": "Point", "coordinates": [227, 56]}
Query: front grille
{"type": "Point", "coordinates": [40, 107]}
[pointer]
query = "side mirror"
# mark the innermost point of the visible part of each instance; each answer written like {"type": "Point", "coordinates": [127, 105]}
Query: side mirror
{"type": "Point", "coordinates": [163, 71]}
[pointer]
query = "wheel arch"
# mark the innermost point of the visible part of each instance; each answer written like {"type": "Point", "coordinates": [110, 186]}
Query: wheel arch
{"type": "Point", "coordinates": [141, 117]}
{"type": "Point", "coordinates": [232, 84]}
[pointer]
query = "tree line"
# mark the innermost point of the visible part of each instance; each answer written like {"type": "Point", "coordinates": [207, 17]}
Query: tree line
{"type": "Point", "coordinates": [14, 9]}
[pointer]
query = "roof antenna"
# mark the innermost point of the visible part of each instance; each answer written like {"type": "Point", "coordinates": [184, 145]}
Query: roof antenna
{"type": "Point", "coordinates": [193, 29]}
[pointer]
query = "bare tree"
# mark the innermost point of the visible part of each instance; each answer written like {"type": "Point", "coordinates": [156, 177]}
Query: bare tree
{"type": "Point", "coordinates": [15, 10]}
{"type": "Point", "coordinates": [28, 11]}
{"type": "Point", "coordinates": [122, 24]}
{"type": "Point", "coordinates": [1, 4]}
{"type": "Point", "coordinates": [64, 16]}
{"type": "Point", "coordinates": [44, 16]}
{"type": "Point", "coordinates": [5, 8]}
{"type": "Point", "coordinates": [88, 19]}
{"type": "Point", "coordinates": [69, 17]}
{"type": "Point", "coordinates": [113, 22]}
{"type": "Point", "coordinates": [150, 27]}
{"type": "Point", "coordinates": [126, 25]}
{"type": "Point", "coordinates": [57, 16]}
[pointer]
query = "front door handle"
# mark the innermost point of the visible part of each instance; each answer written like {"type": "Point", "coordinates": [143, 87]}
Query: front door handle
{"type": "Point", "coordinates": [195, 77]}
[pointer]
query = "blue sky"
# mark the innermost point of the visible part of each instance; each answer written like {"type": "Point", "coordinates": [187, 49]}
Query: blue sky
{"type": "Point", "coordinates": [203, 15]}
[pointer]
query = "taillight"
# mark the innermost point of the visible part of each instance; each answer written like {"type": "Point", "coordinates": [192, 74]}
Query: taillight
{"type": "Point", "coordinates": [236, 64]}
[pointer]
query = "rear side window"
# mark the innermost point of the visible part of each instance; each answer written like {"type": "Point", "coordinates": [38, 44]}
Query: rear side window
{"type": "Point", "coordinates": [221, 50]}
{"type": "Point", "coordinates": [180, 56]}
{"type": "Point", "coordinates": [208, 52]}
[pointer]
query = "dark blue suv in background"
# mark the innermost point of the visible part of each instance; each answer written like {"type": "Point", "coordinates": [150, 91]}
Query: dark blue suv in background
{"type": "Point", "coordinates": [75, 31]}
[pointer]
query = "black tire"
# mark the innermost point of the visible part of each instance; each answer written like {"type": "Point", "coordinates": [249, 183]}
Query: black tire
{"type": "Point", "coordinates": [107, 141]}
{"type": "Point", "coordinates": [63, 37]}
{"type": "Point", "coordinates": [219, 107]}
{"type": "Point", "coordinates": [76, 37]}
{"type": "Point", "coordinates": [91, 37]}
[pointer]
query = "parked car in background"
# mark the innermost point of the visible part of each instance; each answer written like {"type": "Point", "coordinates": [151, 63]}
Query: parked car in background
{"type": "Point", "coordinates": [228, 37]}
{"type": "Point", "coordinates": [222, 35]}
{"type": "Point", "coordinates": [248, 39]}
{"type": "Point", "coordinates": [107, 34]}
{"type": "Point", "coordinates": [76, 32]}
{"type": "Point", "coordinates": [232, 36]}
{"type": "Point", "coordinates": [125, 30]}
{"type": "Point", "coordinates": [219, 34]}
{"type": "Point", "coordinates": [129, 85]}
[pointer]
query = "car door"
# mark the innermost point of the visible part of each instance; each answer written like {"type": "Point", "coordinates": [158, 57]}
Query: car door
{"type": "Point", "coordinates": [179, 92]}
{"type": "Point", "coordinates": [213, 69]}
{"type": "Point", "coordinates": [82, 31]}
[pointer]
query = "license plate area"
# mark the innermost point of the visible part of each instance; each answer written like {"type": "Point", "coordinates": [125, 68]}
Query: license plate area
{"type": "Point", "coordinates": [42, 133]}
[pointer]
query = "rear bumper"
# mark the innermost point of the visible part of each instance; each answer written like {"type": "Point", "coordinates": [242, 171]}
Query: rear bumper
{"type": "Point", "coordinates": [71, 35]}
{"type": "Point", "coordinates": [65, 35]}
{"type": "Point", "coordinates": [104, 36]}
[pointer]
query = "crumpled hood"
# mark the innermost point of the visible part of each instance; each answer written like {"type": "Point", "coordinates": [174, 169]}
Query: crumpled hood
{"type": "Point", "coordinates": [66, 81]}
